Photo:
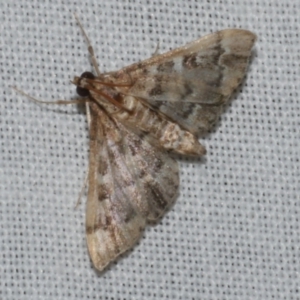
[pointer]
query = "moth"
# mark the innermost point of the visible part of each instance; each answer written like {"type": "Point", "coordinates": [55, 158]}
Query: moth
{"type": "Point", "coordinates": [138, 117]}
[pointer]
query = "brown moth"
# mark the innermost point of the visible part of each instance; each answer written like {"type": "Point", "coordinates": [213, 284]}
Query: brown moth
{"type": "Point", "coordinates": [141, 114]}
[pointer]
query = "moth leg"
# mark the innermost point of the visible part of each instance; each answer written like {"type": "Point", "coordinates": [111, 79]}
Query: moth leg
{"type": "Point", "coordinates": [84, 185]}
{"type": "Point", "coordinates": [90, 47]}
{"type": "Point", "coordinates": [88, 114]}
{"type": "Point", "coordinates": [156, 51]}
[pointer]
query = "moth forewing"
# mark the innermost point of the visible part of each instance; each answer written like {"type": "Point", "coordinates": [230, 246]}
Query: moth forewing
{"type": "Point", "coordinates": [130, 182]}
{"type": "Point", "coordinates": [192, 83]}
{"type": "Point", "coordinates": [107, 231]}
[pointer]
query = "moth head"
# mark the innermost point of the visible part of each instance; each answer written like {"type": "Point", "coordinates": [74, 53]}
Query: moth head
{"type": "Point", "coordinates": [82, 91]}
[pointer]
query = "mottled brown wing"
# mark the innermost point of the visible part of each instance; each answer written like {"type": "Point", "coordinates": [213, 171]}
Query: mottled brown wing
{"type": "Point", "coordinates": [192, 83]}
{"type": "Point", "coordinates": [130, 182]}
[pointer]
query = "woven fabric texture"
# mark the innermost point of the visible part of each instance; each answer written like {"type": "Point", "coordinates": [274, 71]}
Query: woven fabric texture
{"type": "Point", "coordinates": [233, 232]}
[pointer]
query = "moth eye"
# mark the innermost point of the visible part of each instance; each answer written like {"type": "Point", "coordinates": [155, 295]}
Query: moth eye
{"type": "Point", "coordinates": [88, 75]}
{"type": "Point", "coordinates": [83, 92]}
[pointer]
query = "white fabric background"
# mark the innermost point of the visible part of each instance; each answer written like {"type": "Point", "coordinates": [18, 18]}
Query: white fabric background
{"type": "Point", "coordinates": [234, 230]}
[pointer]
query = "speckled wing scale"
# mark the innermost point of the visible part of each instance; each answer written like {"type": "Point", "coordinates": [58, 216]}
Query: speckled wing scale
{"type": "Point", "coordinates": [139, 116]}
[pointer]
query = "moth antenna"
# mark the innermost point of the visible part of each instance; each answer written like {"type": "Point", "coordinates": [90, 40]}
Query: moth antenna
{"type": "Point", "coordinates": [90, 47]}
{"type": "Point", "coordinates": [59, 102]}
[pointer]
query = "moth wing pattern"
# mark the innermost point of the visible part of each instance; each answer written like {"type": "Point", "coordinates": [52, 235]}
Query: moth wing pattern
{"type": "Point", "coordinates": [192, 83]}
{"type": "Point", "coordinates": [130, 182]}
